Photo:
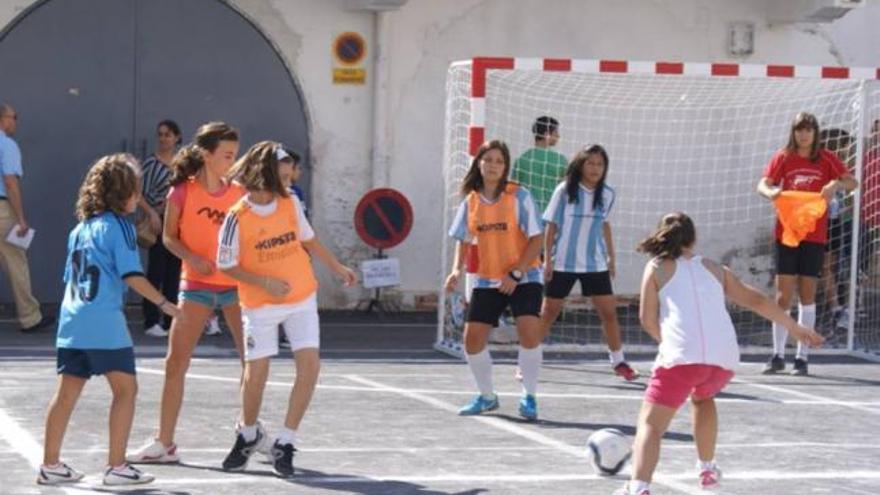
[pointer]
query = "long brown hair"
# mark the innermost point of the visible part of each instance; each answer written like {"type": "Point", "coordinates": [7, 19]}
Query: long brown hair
{"type": "Point", "coordinates": [575, 172]}
{"type": "Point", "coordinates": [674, 233]}
{"type": "Point", "coordinates": [109, 185]}
{"type": "Point", "coordinates": [473, 179]}
{"type": "Point", "coordinates": [189, 160]}
{"type": "Point", "coordinates": [257, 170]}
{"type": "Point", "coordinates": [804, 120]}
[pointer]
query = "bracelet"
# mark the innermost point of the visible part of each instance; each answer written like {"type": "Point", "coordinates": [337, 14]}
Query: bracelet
{"type": "Point", "coordinates": [161, 303]}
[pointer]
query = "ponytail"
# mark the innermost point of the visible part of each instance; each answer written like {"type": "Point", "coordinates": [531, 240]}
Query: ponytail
{"type": "Point", "coordinates": [186, 163]}
{"type": "Point", "coordinates": [675, 232]}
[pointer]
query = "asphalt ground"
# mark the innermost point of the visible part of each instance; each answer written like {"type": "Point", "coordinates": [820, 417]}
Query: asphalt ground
{"type": "Point", "coordinates": [383, 421]}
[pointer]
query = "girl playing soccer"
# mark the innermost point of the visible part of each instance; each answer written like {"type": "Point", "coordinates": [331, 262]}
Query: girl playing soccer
{"type": "Point", "coordinates": [265, 244]}
{"type": "Point", "coordinates": [93, 337]}
{"type": "Point", "coordinates": [578, 247]}
{"type": "Point", "coordinates": [683, 308]}
{"type": "Point", "coordinates": [197, 203]}
{"type": "Point", "coordinates": [803, 165]}
{"type": "Point", "coordinates": [501, 215]}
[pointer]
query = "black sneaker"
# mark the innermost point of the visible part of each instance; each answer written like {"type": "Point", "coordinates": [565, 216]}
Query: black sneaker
{"type": "Point", "coordinates": [283, 463]}
{"type": "Point", "coordinates": [237, 458]}
{"type": "Point", "coordinates": [44, 322]}
{"type": "Point", "coordinates": [800, 367]}
{"type": "Point", "coordinates": [776, 363]}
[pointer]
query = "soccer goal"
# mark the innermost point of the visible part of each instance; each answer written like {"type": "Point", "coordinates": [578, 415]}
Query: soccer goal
{"type": "Point", "coordinates": [686, 137]}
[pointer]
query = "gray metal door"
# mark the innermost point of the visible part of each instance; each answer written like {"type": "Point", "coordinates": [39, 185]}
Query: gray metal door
{"type": "Point", "coordinates": [90, 77]}
{"type": "Point", "coordinates": [67, 68]}
{"type": "Point", "coordinates": [200, 60]}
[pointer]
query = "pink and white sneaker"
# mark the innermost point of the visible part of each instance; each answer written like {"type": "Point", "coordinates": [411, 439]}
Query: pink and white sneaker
{"type": "Point", "coordinates": [153, 452]}
{"type": "Point", "coordinates": [710, 478]}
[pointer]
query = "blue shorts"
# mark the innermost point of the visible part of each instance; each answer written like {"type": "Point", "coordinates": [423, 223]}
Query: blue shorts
{"type": "Point", "coordinates": [85, 363]}
{"type": "Point", "coordinates": [210, 298]}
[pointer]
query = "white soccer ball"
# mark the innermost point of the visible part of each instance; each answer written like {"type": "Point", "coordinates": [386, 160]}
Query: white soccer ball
{"type": "Point", "coordinates": [608, 450]}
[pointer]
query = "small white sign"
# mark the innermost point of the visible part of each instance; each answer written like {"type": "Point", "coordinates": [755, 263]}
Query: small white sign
{"type": "Point", "coordinates": [23, 241]}
{"type": "Point", "coordinates": [381, 273]}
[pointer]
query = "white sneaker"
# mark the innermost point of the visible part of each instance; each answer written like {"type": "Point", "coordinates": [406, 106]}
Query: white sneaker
{"type": "Point", "coordinates": [264, 446]}
{"type": "Point", "coordinates": [126, 475]}
{"type": "Point", "coordinates": [213, 327]}
{"type": "Point", "coordinates": [153, 452]}
{"type": "Point", "coordinates": [60, 473]}
{"type": "Point", "coordinates": [156, 331]}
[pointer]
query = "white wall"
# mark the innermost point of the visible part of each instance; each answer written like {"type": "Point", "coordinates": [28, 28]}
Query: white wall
{"type": "Point", "coordinates": [426, 35]}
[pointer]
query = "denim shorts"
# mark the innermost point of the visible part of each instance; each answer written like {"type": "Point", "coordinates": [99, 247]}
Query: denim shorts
{"type": "Point", "coordinates": [85, 363]}
{"type": "Point", "coordinates": [210, 298]}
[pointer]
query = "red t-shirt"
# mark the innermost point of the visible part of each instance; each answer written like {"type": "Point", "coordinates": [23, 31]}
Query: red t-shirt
{"type": "Point", "coordinates": [796, 173]}
{"type": "Point", "coordinates": [871, 188]}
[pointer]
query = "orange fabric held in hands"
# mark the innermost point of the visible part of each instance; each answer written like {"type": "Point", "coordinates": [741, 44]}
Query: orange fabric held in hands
{"type": "Point", "coordinates": [798, 213]}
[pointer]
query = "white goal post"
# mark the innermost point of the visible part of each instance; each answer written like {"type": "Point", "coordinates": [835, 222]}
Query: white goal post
{"type": "Point", "coordinates": [692, 137]}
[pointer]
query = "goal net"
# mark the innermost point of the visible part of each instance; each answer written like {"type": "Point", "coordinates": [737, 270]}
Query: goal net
{"type": "Point", "coordinates": [680, 137]}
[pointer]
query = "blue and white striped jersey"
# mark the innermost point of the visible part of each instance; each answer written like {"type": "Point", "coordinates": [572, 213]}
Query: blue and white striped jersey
{"type": "Point", "coordinates": [579, 246]}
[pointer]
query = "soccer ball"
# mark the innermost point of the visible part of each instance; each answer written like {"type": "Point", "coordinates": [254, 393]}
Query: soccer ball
{"type": "Point", "coordinates": [608, 450]}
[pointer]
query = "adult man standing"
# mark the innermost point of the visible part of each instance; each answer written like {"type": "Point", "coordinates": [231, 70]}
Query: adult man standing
{"type": "Point", "coordinates": [13, 259]}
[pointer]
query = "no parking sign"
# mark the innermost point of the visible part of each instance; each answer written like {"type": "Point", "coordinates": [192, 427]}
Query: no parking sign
{"type": "Point", "coordinates": [383, 218]}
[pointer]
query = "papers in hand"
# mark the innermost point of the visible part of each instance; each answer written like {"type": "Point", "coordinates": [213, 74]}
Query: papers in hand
{"type": "Point", "coordinates": [24, 241]}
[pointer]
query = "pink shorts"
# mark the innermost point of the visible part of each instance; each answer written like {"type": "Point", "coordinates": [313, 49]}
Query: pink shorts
{"type": "Point", "coordinates": [670, 387]}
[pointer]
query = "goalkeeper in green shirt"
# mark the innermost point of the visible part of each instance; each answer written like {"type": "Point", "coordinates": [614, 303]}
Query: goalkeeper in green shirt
{"type": "Point", "coordinates": [540, 169]}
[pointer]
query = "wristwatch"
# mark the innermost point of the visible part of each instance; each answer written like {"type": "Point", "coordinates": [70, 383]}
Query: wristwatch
{"type": "Point", "coordinates": [516, 275]}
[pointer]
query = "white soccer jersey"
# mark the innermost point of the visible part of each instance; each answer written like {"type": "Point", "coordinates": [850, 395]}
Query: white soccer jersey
{"type": "Point", "coordinates": [579, 246]}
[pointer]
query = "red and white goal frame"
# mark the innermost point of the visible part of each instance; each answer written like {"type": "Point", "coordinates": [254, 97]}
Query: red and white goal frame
{"type": "Point", "coordinates": [480, 68]}
{"type": "Point", "coordinates": [481, 65]}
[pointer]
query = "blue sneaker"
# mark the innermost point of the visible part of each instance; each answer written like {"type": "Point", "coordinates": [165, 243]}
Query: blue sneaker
{"type": "Point", "coordinates": [528, 407]}
{"type": "Point", "coordinates": [479, 405]}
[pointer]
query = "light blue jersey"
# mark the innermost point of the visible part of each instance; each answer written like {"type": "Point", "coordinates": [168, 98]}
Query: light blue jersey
{"type": "Point", "coordinates": [579, 246]}
{"type": "Point", "coordinates": [101, 252]}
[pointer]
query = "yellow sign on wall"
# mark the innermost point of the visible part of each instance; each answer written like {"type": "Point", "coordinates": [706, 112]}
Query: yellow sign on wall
{"type": "Point", "coordinates": [349, 75]}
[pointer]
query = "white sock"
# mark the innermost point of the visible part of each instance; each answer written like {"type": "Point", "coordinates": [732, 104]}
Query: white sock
{"type": "Point", "coordinates": [780, 335]}
{"type": "Point", "coordinates": [529, 361]}
{"type": "Point", "coordinates": [248, 432]}
{"type": "Point", "coordinates": [636, 486]}
{"type": "Point", "coordinates": [287, 436]}
{"type": "Point", "coordinates": [807, 318]}
{"type": "Point", "coordinates": [616, 356]}
{"type": "Point", "coordinates": [481, 367]}
{"type": "Point", "coordinates": [704, 465]}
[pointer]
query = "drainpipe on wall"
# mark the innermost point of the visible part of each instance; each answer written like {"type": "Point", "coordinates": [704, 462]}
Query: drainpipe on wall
{"type": "Point", "coordinates": [380, 159]}
{"type": "Point", "coordinates": [381, 101]}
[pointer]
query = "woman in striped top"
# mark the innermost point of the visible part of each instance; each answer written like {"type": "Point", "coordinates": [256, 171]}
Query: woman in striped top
{"type": "Point", "coordinates": [163, 268]}
{"type": "Point", "coordinates": [578, 247]}
{"type": "Point", "coordinates": [683, 308]}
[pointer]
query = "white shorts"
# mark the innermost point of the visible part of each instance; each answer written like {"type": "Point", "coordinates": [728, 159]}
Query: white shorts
{"type": "Point", "coordinates": [299, 320]}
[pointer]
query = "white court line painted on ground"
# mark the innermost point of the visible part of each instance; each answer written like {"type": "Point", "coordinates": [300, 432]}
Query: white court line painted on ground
{"type": "Point", "coordinates": [465, 393]}
{"type": "Point", "coordinates": [509, 448]}
{"type": "Point", "coordinates": [517, 430]}
{"type": "Point", "coordinates": [677, 479]}
{"type": "Point", "coordinates": [812, 397]}
{"type": "Point", "coordinates": [26, 446]}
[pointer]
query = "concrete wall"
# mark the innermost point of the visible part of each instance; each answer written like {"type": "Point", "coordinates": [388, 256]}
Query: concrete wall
{"type": "Point", "coordinates": [426, 35]}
